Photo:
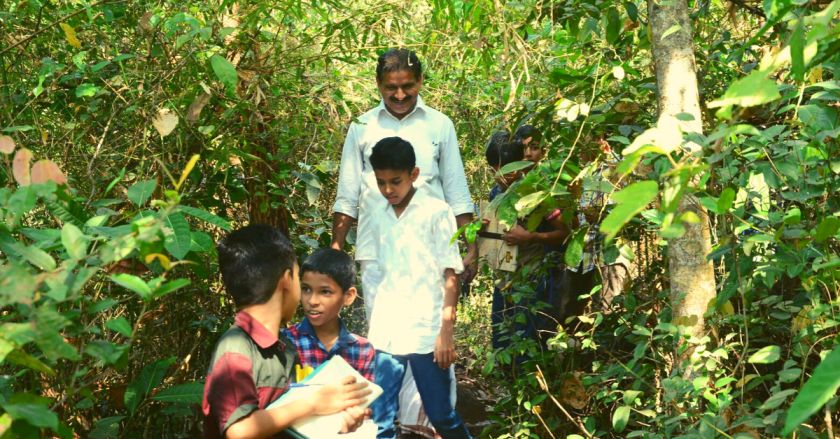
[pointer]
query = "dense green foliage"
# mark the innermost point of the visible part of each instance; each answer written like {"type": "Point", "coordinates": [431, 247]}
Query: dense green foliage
{"type": "Point", "coordinates": [171, 122]}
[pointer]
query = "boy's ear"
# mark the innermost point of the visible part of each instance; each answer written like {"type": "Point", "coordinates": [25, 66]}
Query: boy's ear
{"type": "Point", "coordinates": [415, 173]}
{"type": "Point", "coordinates": [350, 296]}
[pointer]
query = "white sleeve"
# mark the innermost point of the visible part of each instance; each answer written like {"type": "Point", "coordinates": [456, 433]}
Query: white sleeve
{"type": "Point", "coordinates": [349, 176]}
{"type": "Point", "coordinates": [446, 249]}
{"type": "Point", "coordinates": [452, 178]}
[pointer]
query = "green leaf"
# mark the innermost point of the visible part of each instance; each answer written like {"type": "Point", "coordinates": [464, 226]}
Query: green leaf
{"type": "Point", "coordinates": [725, 201]}
{"type": "Point", "coordinates": [36, 415]}
{"type": "Point", "coordinates": [766, 355]}
{"type": "Point", "coordinates": [170, 287]}
{"type": "Point", "coordinates": [777, 399]}
{"type": "Point", "coordinates": [515, 166]}
{"type": "Point", "coordinates": [21, 358]}
{"type": "Point", "coordinates": [86, 90]}
{"type": "Point", "coordinates": [620, 418]}
{"type": "Point", "coordinates": [630, 201]}
{"type": "Point", "coordinates": [36, 257]}
{"type": "Point", "coordinates": [141, 191]}
{"type": "Point", "coordinates": [797, 54]}
{"type": "Point", "coordinates": [74, 241]}
{"type": "Point", "coordinates": [187, 393]}
{"type": "Point", "coordinates": [574, 250]}
{"type": "Point", "coordinates": [206, 217]}
{"type": "Point", "coordinates": [751, 90]}
{"type": "Point", "coordinates": [120, 325]}
{"type": "Point", "coordinates": [671, 30]}
{"type": "Point", "coordinates": [816, 392]}
{"type": "Point", "coordinates": [150, 377]}
{"type": "Point", "coordinates": [179, 240]}
{"type": "Point", "coordinates": [225, 71]}
{"type": "Point", "coordinates": [133, 283]}
{"type": "Point", "coordinates": [106, 428]}
{"type": "Point", "coordinates": [613, 25]}
{"type": "Point", "coordinates": [827, 228]}
{"type": "Point", "coordinates": [106, 352]}
{"type": "Point", "coordinates": [530, 202]}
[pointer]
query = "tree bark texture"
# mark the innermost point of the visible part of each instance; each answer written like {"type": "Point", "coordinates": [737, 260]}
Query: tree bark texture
{"type": "Point", "coordinates": [691, 274]}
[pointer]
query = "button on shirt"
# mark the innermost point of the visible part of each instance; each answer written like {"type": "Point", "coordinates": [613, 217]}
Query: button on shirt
{"type": "Point", "coordinates": [411, 254]}
{"type": "Point", "coordinates": [435, 143]}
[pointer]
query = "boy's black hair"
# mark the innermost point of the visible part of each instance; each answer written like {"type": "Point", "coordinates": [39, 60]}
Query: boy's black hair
{"type": "Point", "coordinates": [526, 131]}
{"type": "Point", "coordinates": [501, 151]}
{"type": "Point", "coordinates": [393, 153]}
{"type": "Point", "coordinates": [336, 264]}
{"type": "Point", "coordinates": [252, 260]}
{"type": "Point", "coordinates": [395, 60]}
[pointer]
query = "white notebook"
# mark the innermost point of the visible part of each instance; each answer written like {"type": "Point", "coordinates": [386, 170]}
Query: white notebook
{"type": "Point", "coordinates": [324, 426]}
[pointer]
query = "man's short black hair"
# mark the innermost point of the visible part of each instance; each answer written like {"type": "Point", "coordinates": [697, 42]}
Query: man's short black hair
{"type": "Point", "coordinates": [336, 264]}
{"type": "Point", "coordinates": [393, 153]}
{"type": "Point", "coordinates": [252, 261]}
{"type": "Point", "coordinates": [395, 60]}
{"type": "Point", "coordinates": [526, 131]}
{"type": "Point", "coordinates": [501, 150]}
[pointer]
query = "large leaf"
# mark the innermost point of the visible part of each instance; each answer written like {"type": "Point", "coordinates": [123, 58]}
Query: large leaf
{"type": "Point", "coordinates": [187, 393]}
{"type": "Point", "coordinates": [141, 191]}
{"type": "Point", "coordinates": [150, 377]}
{"type": "Point", "coordinates": [225, 71]}
{"type": "Point", "coordinates": [106, 352]}
{"type": "Point", "coordinates": [74, 241]}
{"type": "Point", "coordinates": [34, 414]}
{"type": "Point", "coordinates": [620, 418]}
{"type": "Point", "coordinates": [749, 91]}
{"type": "Point", "coordinates": [206, 216]}
{"type": "Point", "coordinates": [133, 283]}
{"type": "Point", "coordinates": [529, 202]}
{"type": "Point", "coordinates": [170, 287]}
{"type": "Point", "coordinates": [36, 257]}
{"type": "Point", "coordinates": [816, 392]}
{"type": "Point", "coordinates": [630, 201]}
{"type": "Point", "coordinates": [574, 250]}
{"type": "Point", "coordinates": [766, 355]}
{"type": "Point", "coordinates": [179, 240]}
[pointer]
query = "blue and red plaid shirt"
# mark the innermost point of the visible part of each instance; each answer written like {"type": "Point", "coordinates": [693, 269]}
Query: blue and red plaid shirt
{"type": "Point", "coordinates": [355, 349]}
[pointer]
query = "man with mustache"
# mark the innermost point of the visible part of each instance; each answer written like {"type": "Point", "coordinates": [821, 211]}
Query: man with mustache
{"type": "Point", "coordinates": [402, 113]}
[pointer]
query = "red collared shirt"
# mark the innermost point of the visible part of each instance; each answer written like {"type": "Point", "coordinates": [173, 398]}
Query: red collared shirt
{"type": "Point", "coordinates": [250, 368]}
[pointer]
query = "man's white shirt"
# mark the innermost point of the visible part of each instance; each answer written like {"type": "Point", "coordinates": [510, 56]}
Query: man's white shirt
{"type": "Point", "coordinates": [406, 277]}
{"type": "Point", "coordinates": [435, 143]}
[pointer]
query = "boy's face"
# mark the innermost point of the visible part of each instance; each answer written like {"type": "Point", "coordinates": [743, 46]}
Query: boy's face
{"type": "Point", "coordinates": [533, 150]}
{"type": "Point", "coordinates": [395, 184]}
{"type": "Point", "coordinates": [292, 296]}
{"type": "Point", "coordinates": [322, 298]}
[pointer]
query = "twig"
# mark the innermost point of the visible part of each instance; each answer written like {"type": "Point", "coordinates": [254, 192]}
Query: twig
{"type": "Point", "coordinates": [544, 386]}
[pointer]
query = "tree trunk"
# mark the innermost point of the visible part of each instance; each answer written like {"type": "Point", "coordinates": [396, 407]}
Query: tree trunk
{"type": "Point", "coordinates": [691, 275]}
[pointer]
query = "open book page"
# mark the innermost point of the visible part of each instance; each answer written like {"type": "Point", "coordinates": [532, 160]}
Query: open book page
{"type": "Point", "coordinates": [330, 372]}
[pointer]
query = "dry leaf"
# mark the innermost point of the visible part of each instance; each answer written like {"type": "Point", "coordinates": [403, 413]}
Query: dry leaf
{"type": "Point", "coordinates": [20, 166]}
{"type": "Point", "coordinates": [7, 145]}
{"type": "Point", "coordinates": [47, 170]}
{"type": "Point", "coordinates": [573, 393]}
{"type": "Point", "coordinates": [165, 122]}
{"type": "Point", "coordinates": [70, 35]}
{"type": "Point", "coordinates": [195, 108]}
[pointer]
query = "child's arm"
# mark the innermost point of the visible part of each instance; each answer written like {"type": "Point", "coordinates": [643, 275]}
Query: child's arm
{"type": "Point", "coordinates": [445, 345]}
{"type": "Point", "coordinates": [326, 400]}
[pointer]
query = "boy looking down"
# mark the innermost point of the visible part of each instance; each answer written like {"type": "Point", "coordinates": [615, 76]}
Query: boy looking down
{"type": "Point", "coordinates": [252, 363]}
{"type": "Point", "coordinates": [416, 291]}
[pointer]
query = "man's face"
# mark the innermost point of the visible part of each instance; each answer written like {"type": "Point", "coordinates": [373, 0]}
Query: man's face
{"type": "Point", "coordinates": [533, 150]}
{"type": "Point", "coordinates": [399, 90]}
{"type": "Point", "coordinates": [395, 184]}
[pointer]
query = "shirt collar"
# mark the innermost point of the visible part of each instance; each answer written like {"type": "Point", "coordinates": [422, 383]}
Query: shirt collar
{"type": "Point", "coordinates": [421, 105]}
{"type": "Point", "coordinates": [344, 336]}
{"type": "Point", "coordinates": [259, 333]}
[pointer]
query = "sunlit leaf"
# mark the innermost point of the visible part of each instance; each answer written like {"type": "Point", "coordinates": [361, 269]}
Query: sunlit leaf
{"type": "Point", "coordinates": [70, 35]}
{"type": "Point", "coordinates": [20, 166]}
{"type": "Point", "coordinates": [46, 170]}
{"type": "Point", "coordinates": [133, 283]}
{"type": "Point", "coordinates": [7, 145]}
{"type": "Point", "coordinates": [120, 325]}
{"type": "Point", "coordinates": [629, 202]}
{"type": "Point", "coordinates": [225, 71]}
{"type": "Point", "coordinates": [141, 191]}
{"type": "Point", "coordinates": [165, 121]}
{"type": "Point", "coordinates": [751, 90]}
{"type": "Point", "coordinates": [187, 170]}
{"type": "Point", "coordinates": [620, 418]}
{"type": "Point", "coordinates": [74, 241]}
{"type": "Point", "coordinates": [178, 241]}
{"type": "Point", "coordinates": [766, 355]}
{"type": "Point", "coordinates": [671, 30]}
{"type": "Point", "coordinates": [574, 249]}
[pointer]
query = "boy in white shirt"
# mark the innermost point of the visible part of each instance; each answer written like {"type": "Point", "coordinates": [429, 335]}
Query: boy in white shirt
{"type": "Point", "coordinates": [416, 291]}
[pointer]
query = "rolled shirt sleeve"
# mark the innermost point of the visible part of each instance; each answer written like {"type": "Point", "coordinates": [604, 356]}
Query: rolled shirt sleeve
{"type": "Point", "coordinates": [349, 175]}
